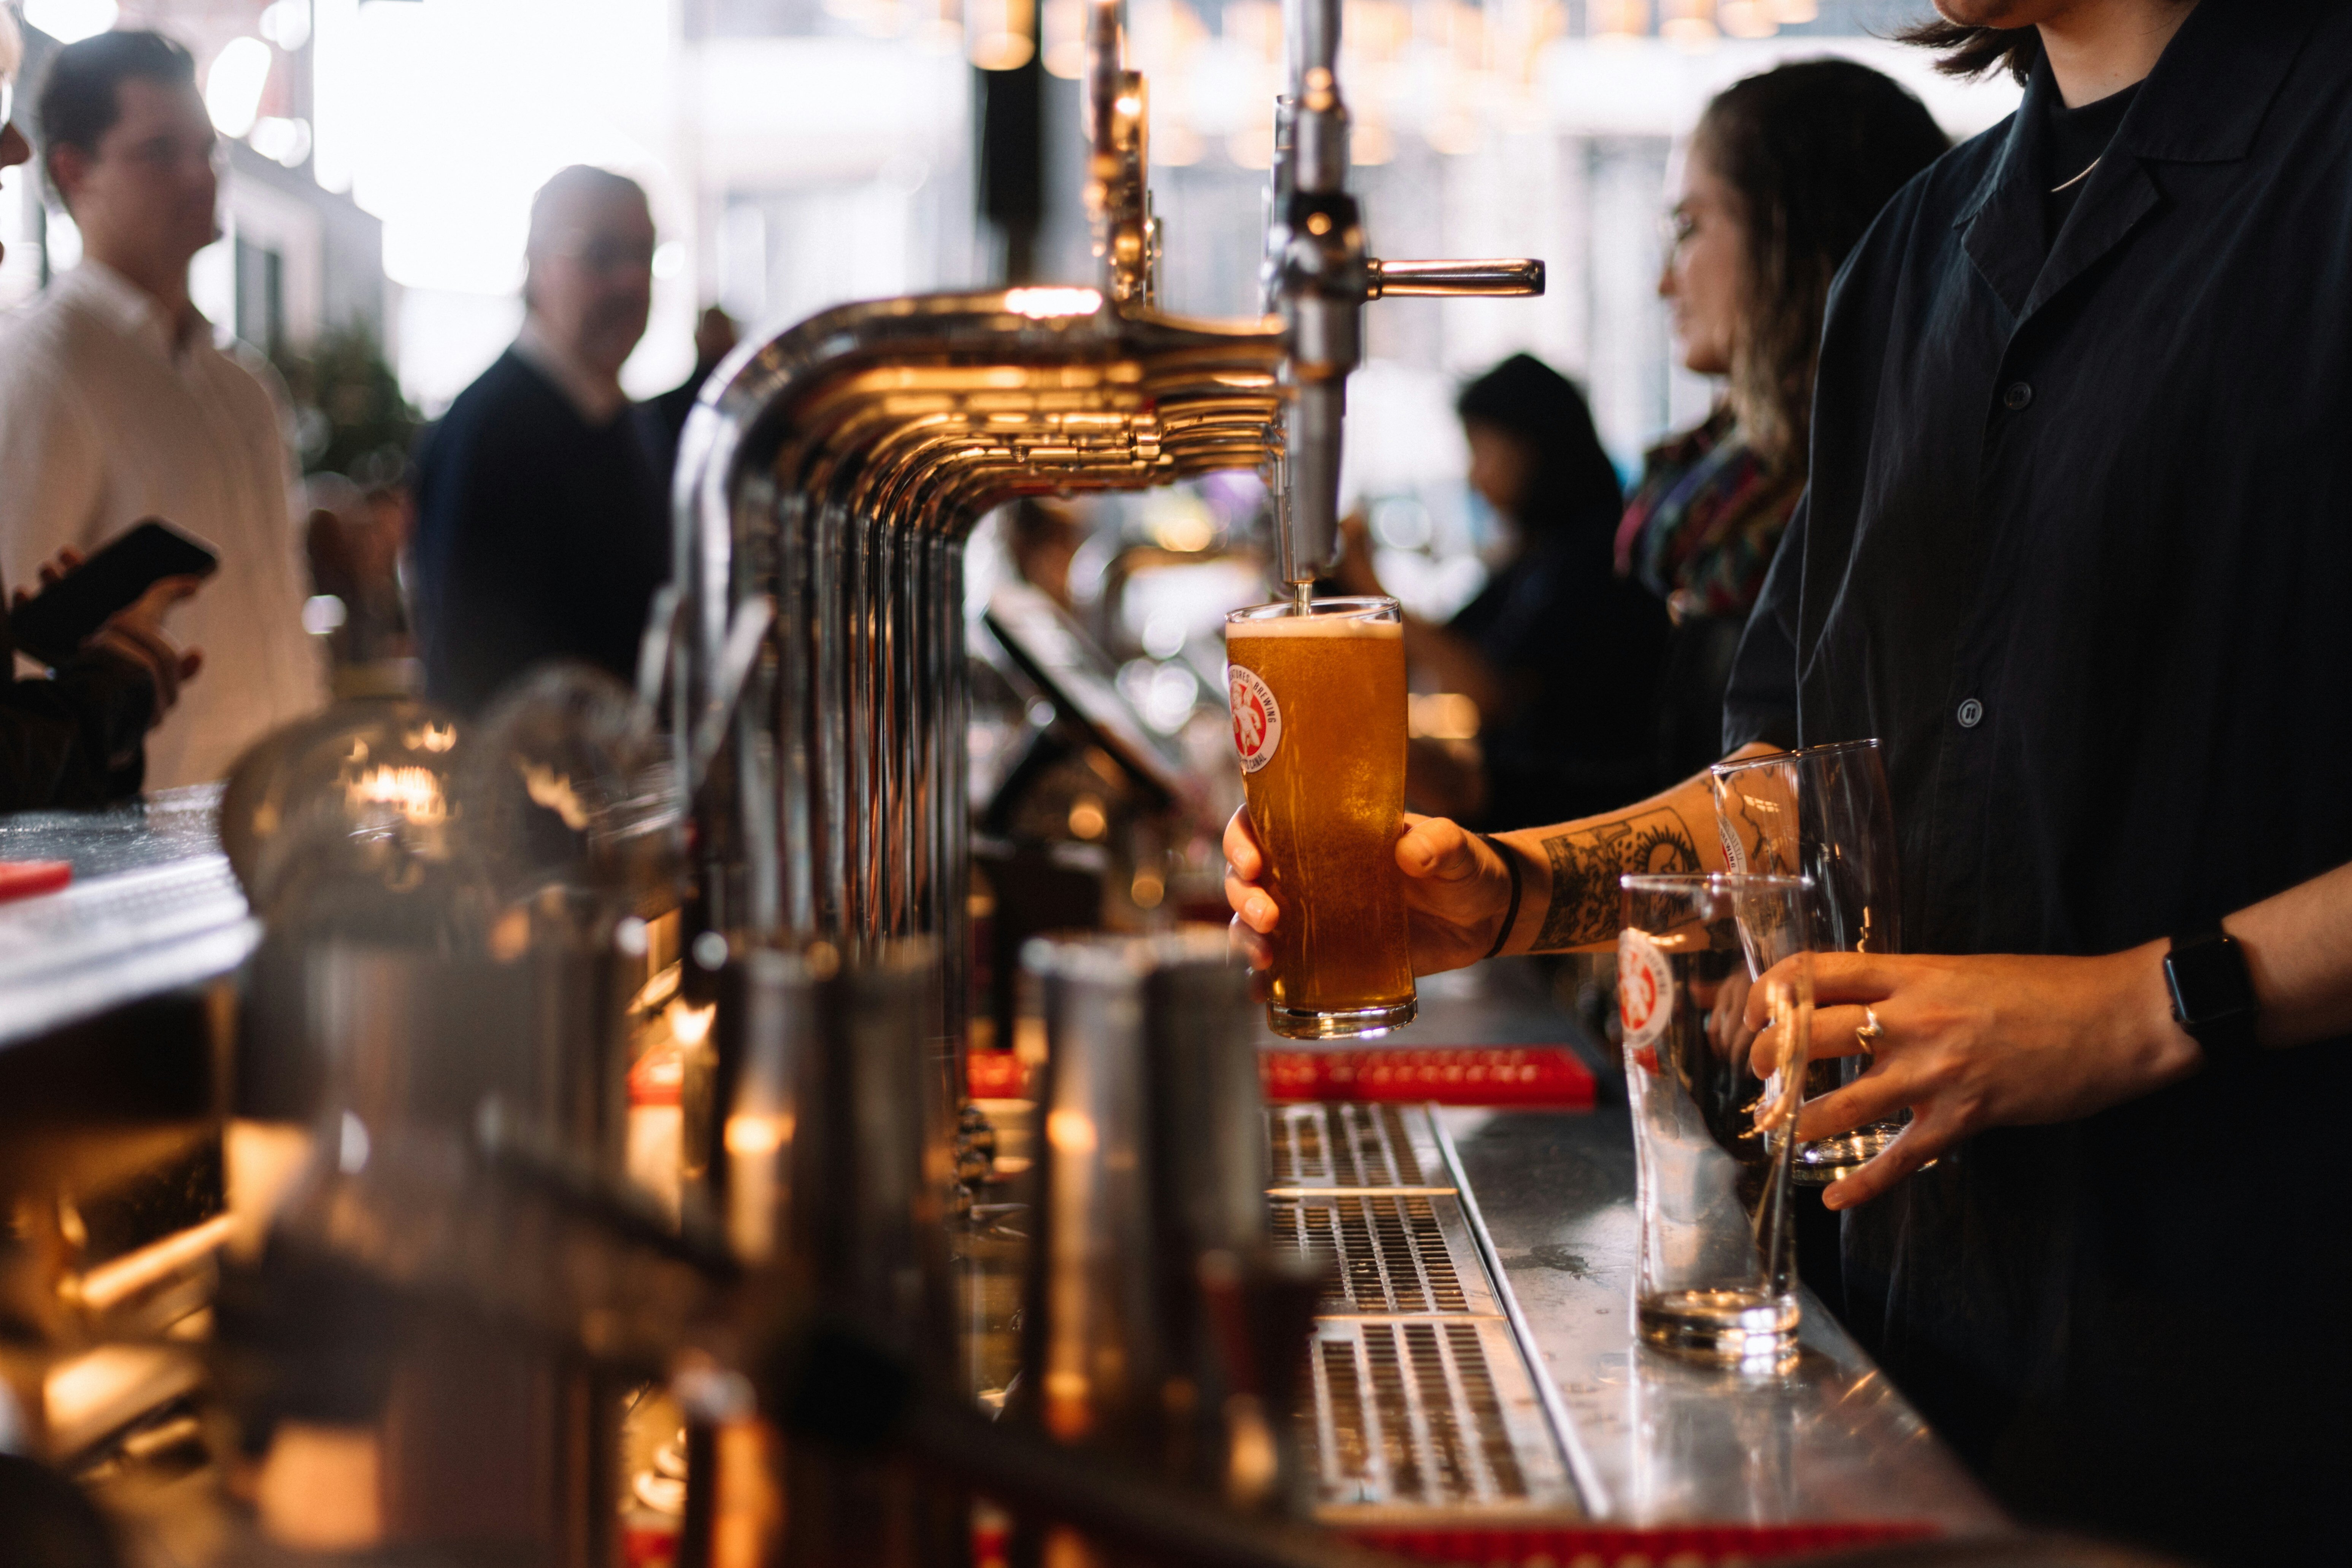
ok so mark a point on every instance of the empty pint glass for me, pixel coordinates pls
(1716, 1271)
(1823, 813)
(1319, 721)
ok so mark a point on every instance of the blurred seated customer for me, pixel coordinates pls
(1561, 655)
(1041, 537)
(541, 529)
(355, 541)
(714, 339)
(116, 405)
(77, 738)
(1784, 172)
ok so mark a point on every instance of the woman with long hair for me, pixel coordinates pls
(1783, 173)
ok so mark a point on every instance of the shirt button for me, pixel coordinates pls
(2018, 395)
(1971, 713)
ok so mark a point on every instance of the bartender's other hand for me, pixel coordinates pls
(1456, 893)
(66, 560)
(1997, 1040)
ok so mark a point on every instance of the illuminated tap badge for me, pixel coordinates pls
(1645, 994)
(1257, 718)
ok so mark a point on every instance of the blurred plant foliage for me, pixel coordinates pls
(348, 408)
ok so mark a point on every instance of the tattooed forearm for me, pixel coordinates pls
(1587, 862)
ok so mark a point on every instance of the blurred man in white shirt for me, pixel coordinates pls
(116, 406)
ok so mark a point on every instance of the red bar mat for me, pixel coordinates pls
(1551, 1078)
(23, 878)
(1683, 1546)
(994, 1074)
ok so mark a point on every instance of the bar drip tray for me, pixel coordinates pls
(1425, 1408)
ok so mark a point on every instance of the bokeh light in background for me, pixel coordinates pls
(802, 153)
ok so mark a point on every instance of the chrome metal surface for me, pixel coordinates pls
(1516, 278)
(1423, 1407)
(1318, 275)
(98, 944)
(1668, 1442)
(1152, 1271)
(1546, 1202)
(1349, 1148)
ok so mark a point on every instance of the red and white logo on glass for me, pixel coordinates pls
(1646, 995)
(1257, 718)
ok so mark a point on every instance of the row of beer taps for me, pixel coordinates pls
(443, 997)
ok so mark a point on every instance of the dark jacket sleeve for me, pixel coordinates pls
(1760, 704)
(486, 563)
(76, 739)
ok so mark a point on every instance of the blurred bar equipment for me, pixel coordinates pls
(450, 1292)
(1161, 1324)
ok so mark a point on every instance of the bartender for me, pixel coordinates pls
(2078, 548)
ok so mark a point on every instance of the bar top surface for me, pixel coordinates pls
(152, 907)
(1662, 1441)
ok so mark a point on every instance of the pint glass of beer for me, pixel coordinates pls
(1319, 721)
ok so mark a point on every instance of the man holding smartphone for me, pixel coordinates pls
(116, 406)
(74, 739)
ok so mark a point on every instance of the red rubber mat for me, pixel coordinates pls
(1682, 1546)
(23, 878)
(1549, 1078)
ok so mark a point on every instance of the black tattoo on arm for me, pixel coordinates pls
(1585, 865)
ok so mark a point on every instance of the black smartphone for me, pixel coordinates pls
(56, 621)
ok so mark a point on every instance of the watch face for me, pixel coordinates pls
(2208, 981)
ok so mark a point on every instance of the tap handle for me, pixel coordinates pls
(1515, 276)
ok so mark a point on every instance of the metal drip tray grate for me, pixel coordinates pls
(1348, 1148)
(1423, 1407)
(1412, 1417)
(1391, 1255)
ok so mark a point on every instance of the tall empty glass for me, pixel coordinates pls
(1319, 722)
(1716, 1276)
(1824, 813)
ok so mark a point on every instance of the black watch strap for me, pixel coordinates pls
(2212, 994)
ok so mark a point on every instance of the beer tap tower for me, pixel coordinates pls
(1319, 276)
(809, 659)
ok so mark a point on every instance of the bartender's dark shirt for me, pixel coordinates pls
(2078, 548)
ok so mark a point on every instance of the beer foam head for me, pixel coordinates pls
(1355, 625)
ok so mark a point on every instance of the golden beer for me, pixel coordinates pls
(1319, 706)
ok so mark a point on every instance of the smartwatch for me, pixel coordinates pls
(2212, 994)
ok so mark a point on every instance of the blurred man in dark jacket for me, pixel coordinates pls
(540, 533)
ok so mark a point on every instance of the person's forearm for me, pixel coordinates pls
(2299, 947)
(1569, 896)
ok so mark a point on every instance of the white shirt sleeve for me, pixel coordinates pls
(52, 469)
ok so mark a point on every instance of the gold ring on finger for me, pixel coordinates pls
(1869, 1031)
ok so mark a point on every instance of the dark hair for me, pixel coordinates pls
(78, 104)
(1573, 490)
(1811, 151)
(1972, 52)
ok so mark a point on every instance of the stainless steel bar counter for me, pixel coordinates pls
(1652, 1441)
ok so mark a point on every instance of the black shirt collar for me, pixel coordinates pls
(2201, 104)
(2204, 102)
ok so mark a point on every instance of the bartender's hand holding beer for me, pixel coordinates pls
(1455, 889)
